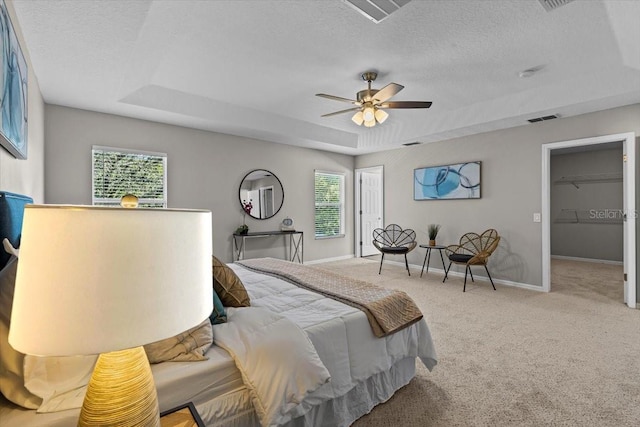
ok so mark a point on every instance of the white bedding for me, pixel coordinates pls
(180, 382)
(278, 362)
(365, 370)
(341, 334)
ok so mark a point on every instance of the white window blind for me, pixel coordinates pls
(329, 204)
(118, 171)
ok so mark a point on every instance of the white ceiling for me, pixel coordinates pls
(252, 67)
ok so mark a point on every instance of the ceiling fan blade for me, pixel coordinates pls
(387, 92)
(406, 104)
(338, 98)
(341, 112)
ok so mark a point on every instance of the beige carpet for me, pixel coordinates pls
(514, 357)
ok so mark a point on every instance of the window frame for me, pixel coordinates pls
(340, 204)
(116, 201)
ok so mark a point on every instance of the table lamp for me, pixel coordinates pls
(99, 280)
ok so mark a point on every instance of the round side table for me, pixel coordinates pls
(427, 256)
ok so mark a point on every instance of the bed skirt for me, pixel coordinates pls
(234, 409)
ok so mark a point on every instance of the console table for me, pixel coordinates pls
(296, 243)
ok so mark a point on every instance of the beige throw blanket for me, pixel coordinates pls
(388, 310)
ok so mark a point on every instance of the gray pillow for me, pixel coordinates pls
(11, 361)
(228, 285)
(188, 346)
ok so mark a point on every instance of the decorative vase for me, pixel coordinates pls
(432, 242)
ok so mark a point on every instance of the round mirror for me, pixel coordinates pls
(261, 194)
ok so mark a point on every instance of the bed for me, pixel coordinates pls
(365, 370)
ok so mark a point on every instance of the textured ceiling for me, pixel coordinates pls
(251, 68)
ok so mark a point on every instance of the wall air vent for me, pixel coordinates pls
(376, 10)
(409, 144)
(540, 119)
(550, 5)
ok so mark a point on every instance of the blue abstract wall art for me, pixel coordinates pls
(459, 181)
(13, 89)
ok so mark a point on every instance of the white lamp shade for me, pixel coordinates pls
(357, 118)
(381, 115)
(92, 280)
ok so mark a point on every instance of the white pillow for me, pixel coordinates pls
(47, 384)
(61, 382)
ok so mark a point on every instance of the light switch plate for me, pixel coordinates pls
(536, 217)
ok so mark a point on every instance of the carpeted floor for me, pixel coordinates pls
(514, 357)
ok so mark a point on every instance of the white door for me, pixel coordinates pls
(266, 202)
(371, 191)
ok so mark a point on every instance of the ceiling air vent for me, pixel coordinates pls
(409, 144)
(550, 5)
(376, 10)
(540, 119)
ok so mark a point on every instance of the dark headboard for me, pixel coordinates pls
(11, 212)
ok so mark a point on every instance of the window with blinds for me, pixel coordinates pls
(118, 171)
(329, 204)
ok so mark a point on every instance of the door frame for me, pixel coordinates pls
(629, 150)
(357, 205)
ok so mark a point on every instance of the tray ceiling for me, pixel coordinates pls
(251, 68)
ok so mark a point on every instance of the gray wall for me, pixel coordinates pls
(511, 186)
(590, 236)
(204, 171)
(26, 176)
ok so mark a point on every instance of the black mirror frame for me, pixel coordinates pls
(281, 188)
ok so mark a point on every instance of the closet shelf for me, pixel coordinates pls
(593, 216)
(590, 178)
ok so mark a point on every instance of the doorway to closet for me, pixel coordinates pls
(572, 221)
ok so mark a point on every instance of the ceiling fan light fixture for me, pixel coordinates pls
(368, 114)
(369, 103)
(381, 115)
(357, 118)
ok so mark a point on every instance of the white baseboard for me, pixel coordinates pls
(476, 277)
(338, 258)
(599, 261)
(417, 268)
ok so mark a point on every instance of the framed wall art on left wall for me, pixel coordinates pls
(13, 89)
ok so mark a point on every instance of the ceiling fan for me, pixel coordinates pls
(371, 103)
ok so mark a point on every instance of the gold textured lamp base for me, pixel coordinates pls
(121, 391)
